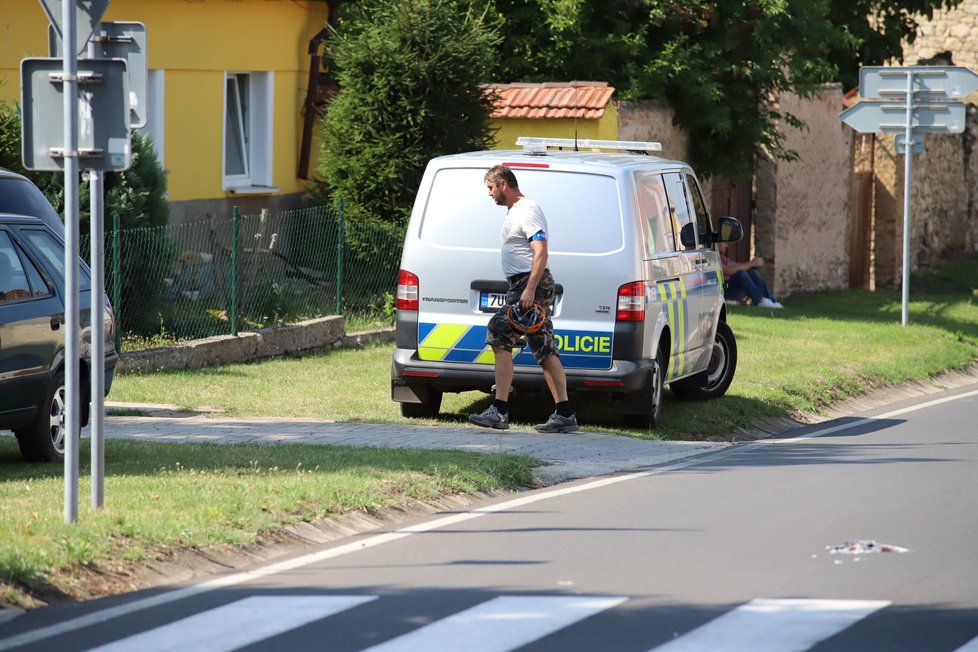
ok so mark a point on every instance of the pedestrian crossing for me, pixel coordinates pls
(503, 623)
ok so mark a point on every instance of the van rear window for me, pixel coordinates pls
(583, 210)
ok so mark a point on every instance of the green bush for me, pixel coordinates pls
(410, 74)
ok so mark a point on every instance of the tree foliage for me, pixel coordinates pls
(718, 63)
(410, 74)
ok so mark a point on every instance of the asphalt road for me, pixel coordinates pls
(770, 546)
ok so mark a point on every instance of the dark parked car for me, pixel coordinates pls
(32, 315)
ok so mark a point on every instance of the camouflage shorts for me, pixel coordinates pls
(501, 335)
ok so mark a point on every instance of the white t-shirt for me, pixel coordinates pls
(522, 222)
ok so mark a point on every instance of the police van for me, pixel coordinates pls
(639, 285)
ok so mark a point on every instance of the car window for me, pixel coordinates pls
(655, 212)
(699, 210)
(19, 279)
(54, 254)
(678, 207)
(583, 210)
(21, 197)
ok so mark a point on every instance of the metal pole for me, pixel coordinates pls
(235, 216)
(70, 425)
(96, 381)
(116, 282)
(97, 308)
(339, 260)
(907, 162)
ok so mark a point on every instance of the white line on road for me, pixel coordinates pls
(503, 623)
(237, 624)
(775, 626)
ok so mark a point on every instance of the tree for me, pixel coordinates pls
(410, 74)
(718, 63)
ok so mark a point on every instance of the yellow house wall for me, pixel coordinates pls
(605, 128)
(195, 43)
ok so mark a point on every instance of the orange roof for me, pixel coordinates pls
(577, 99)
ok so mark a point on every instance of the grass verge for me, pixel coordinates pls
(164, 497)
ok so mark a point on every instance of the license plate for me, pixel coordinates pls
(492, 301)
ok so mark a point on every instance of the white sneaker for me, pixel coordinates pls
(767, 303)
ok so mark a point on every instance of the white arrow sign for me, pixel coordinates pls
(930, 83)
(870, 116)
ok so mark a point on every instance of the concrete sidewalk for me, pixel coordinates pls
(567, 456)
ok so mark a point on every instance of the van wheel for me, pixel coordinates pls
(650, 399)
(713, 382)
(44, 439)
(427, 409)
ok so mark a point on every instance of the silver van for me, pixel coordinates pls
(640, 288)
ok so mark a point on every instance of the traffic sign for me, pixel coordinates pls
(118, 40)
(90, 12)
(871, 116)
(103, 91)
(929, 83)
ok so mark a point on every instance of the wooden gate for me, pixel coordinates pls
(729, 199)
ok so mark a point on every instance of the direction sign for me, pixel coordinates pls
(90, 13)
(118, 40)
(103, 91)
(871, 116)
(929, 83)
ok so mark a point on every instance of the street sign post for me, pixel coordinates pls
(911, 101)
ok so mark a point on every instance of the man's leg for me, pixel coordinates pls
(553, 371)
(503, 372)
(744, 280)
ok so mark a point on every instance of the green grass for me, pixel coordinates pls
(824, 347)
(163, 497)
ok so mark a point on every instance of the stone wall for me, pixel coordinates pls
(247, 346)
(802, 207)
(948, 30)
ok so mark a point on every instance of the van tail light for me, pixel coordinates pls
(631, 302)
(407, 290)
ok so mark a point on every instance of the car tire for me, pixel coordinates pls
(713, 382)
(427, 409)
(44, 439)
(651, 398)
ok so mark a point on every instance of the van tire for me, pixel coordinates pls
(44, 439)
(427, 409)
(651, 398)
(713, 382)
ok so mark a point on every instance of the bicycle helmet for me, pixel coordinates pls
(526, 321)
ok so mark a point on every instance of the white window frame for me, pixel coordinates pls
(155, 87)
(254, 122)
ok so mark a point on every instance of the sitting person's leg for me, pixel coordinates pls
(741, 283)
(758, 281)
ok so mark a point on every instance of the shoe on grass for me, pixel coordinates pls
(557, 423)
(767, 303)
(491, 418)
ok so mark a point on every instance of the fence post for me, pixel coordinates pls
(339, 260)
(234, 270)
(116, 282)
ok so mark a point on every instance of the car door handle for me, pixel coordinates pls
(55, 323)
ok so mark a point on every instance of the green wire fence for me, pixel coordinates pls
(245, 272)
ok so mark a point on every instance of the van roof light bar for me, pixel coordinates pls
(538, 146)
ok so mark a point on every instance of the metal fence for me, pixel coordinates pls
(245, 272)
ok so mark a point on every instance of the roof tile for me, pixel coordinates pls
(586, 100)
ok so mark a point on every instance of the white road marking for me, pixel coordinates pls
(503, 623)
(237, 624)
(774, 626)
(233, 579)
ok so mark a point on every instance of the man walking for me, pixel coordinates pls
(524, 259)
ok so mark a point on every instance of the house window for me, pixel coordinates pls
(248, 100)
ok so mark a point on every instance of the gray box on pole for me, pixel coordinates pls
(103, 91)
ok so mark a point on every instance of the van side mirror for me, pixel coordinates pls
(730, 230)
